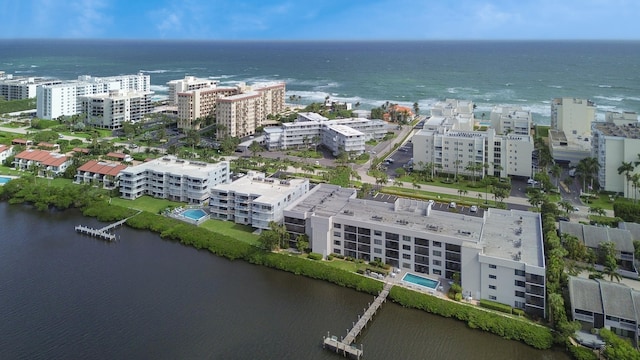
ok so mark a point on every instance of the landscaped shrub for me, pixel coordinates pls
(495, 306)
(580, 352)
(518, 312)
(618, 348)
(315, 256)
(627, 211)
(531, 334)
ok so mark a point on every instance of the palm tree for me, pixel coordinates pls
(566, 206)
(586, 170)
(597, 210)
(416, 108)
(556, 170)
(635, 183)
(626, 168)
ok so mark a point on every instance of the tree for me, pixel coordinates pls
(416, 108)
(255, 148)
(576, 250)
(566, 206)
(626, 168)
(536, 198)
(586, 171)
(607, 257)
(597, 210)
(556, 171)
(302, 242)
(269, 240)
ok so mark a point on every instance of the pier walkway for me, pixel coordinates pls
(103, 233)
(343, 346)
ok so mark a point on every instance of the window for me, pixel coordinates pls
(406, 238)
(406, 247)
(337, 251)
(377, 232)
(491, 297)
(337, 226)
(437, 244)
(377, 251)
(336, 242)
(492, 287)
(491, 266)
(377, 241)
(520, 272)
(437, 253)
(337, 234)
(520, 294)
(519, 283)
(406, 256)
(437, 272)
(491, 276)
(406, 265)
(437, 262)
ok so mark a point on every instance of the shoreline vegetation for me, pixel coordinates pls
(94, 203)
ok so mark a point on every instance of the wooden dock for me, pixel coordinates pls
(99, 233)
(103, 233)
(344, 345)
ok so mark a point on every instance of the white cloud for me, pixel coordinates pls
(90, 18)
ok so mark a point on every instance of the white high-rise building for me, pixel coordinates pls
(17, 88)
(615, 141)
(111, 110)
(63, 99)
(573, 116)
(511, 120)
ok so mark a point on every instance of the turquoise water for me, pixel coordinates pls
(525, 73)
(4, 179)
(422, 281)
(194, 214)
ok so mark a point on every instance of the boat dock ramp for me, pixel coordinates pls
(344, 345)
(103, 233)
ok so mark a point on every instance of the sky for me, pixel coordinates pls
(321, 19)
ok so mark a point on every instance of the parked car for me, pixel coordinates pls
(453, 205)
(473, 208)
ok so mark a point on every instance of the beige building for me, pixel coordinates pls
(187, 84)
(615, 141)
(511, 120)
(197, 104)
(239, 115)
(570, 133)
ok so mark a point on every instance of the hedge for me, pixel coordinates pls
(531, 334)
(495, 306)
(580, 352)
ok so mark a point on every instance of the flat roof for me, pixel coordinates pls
(631, 131)
(515, 235)
(345, 130)
(267, 189)
(323, 200)
(237, 97)
(173, 165)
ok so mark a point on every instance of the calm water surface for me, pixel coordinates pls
(67, 296)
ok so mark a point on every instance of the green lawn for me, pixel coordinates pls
(428, 195)
(145, 203)
(240, 232)
(17, 105)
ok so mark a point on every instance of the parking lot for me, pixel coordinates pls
(399, 159)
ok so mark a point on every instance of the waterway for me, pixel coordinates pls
(69, 296)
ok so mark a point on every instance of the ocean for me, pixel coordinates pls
(524, 73)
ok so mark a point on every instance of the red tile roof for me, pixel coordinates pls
(20, 141)
(44, 157)
(102, 168)
(3, 148)
(82, 150)
(117, 155)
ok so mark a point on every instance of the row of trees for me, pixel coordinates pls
(632, 179)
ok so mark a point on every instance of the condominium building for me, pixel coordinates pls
(44, 162)
(239, 115)
(615, 141)
(254, 199)
(17, 88)
(63, 99)
(570, 131)
(498, 254)
(194, 105)
(348, 134)
(593, 236)
(5, 152)
(511, 120)
(99, 172)
(111, 110)
(342, 138)
(467, 152)
(174, 179)
(598, 304)
(187, 84)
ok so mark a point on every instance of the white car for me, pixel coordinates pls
(473, 208)
(453, 205)
(575, 208)
(532, 182)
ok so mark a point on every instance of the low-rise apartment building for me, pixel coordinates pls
(254, 199)
(498, 255)
(174, 179)
(598, 304)
(5, 152)
(96, 172)
(44, 162)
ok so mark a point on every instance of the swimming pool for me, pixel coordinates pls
(194, 214)
(4, 180)
(421, 281)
